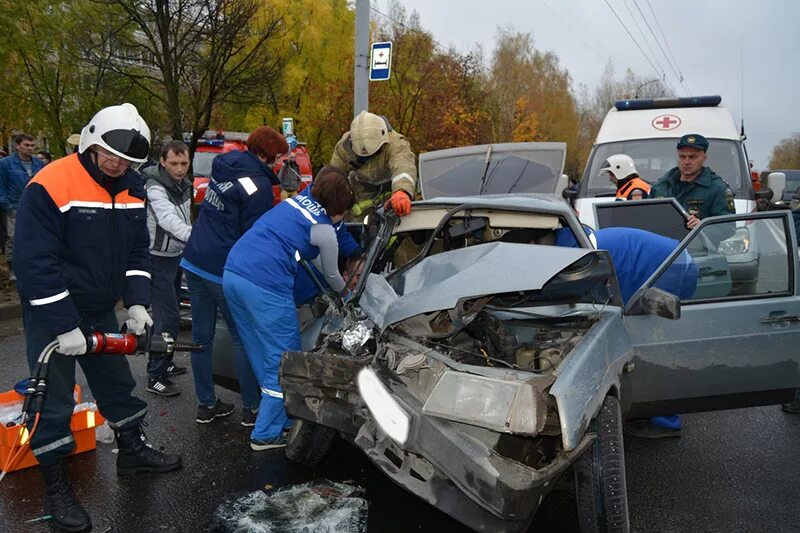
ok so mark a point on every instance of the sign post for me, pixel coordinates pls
(381, 61)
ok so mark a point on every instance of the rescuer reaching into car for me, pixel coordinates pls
(82, 244)
(380, 164)
(259, 280)
(622, 172)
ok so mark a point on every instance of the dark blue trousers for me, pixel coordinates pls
(109, 378)
(165, 286)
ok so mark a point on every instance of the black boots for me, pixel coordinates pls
(135, 455)
(60, 502)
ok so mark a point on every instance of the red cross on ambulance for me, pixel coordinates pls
(666, 122)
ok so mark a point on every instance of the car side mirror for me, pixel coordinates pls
(657, 302)
(777, 182)
(765, 194)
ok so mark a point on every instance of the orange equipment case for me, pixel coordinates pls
(82, 425)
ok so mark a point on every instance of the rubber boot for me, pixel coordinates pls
(135, 455)
(60, 502)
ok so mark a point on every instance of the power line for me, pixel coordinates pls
(409, 28)
(578, 33)
(669, 49)
(678, 76)
(639, 47)
(644, 39)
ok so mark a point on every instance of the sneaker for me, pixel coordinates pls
(647, 430)
(175, 370)
(249, 417)
(792, 407)
(268, 444)
(162, 387)
(207, 413)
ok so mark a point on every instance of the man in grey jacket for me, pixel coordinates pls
(169, 197)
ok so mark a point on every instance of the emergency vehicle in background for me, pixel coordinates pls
(648, 130)
(213, 143)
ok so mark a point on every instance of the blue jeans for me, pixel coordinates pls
(206, 297)
(165, 285)
(109, 378)
(268, 325)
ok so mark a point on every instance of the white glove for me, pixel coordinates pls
(72, 342)
(138, 318)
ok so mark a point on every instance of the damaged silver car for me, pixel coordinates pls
(476, 369)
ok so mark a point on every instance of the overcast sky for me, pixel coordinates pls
(726, 47)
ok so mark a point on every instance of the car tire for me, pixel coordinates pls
(600, 488)
(309, 443)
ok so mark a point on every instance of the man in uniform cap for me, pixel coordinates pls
(696, 187)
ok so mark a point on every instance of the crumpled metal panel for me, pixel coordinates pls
(440, 281)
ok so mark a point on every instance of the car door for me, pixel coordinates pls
(736, 341)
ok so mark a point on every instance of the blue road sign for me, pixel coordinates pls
(381, 63)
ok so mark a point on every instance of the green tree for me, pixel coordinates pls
(434, 96)
(46, 87)
(191, 56)
(531, 96)
(786, 154)
(316, 87)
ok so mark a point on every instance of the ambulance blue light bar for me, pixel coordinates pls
(659, 103)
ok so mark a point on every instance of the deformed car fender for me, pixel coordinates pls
(593, 369)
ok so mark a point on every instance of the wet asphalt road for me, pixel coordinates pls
(731, 471)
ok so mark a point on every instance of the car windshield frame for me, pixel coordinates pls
(654, 157)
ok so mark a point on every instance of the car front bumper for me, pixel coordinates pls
(441, 461)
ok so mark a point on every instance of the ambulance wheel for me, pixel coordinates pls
(600, 488)
(309, 443)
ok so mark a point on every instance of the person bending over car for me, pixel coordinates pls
(259, 282)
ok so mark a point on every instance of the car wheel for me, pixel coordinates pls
(600, 487)
(309, 443)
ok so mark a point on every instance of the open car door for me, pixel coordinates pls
(735, 342)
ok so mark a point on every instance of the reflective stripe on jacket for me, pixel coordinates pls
(81, 242)
(267, 255)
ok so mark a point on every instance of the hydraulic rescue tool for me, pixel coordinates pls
(97, 343)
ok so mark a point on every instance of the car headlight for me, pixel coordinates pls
(391, 418)
(738, 244)
(500, 405)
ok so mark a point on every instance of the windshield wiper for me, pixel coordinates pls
(485, 170)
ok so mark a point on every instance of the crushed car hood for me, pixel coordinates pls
(527, 167)
(439, 282)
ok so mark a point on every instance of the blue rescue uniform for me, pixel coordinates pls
(636, 255)
(259, 280)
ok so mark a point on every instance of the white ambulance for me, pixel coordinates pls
(648, 131)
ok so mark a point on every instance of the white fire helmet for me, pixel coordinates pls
(120, 130)
(620, 166)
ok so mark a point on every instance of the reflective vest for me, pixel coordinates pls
(635, 184)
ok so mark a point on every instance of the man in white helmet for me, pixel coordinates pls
(82, 245)
(622, 172)
(380, 164)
